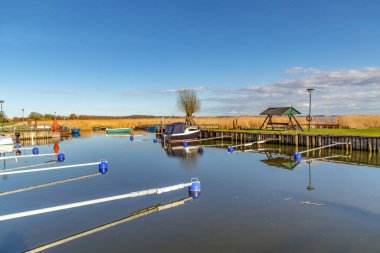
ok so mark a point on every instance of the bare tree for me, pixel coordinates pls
(189, 103)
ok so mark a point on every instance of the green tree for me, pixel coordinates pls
(73, 116)
(49, 116)
(35, 115)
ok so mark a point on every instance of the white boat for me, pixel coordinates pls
(6, 149)
(6, 139)
(178, 132)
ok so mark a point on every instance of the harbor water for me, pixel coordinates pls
(253, 201)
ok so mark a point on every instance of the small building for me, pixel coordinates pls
(281, 111)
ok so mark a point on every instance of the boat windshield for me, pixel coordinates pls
(169, 129)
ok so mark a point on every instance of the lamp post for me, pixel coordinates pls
(310, 187)
(309, 118)
(2, 113)
(22, 115)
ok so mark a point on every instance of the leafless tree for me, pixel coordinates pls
(189, 103)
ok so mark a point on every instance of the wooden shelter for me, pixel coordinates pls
(281, 111)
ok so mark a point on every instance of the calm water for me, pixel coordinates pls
(249, 202)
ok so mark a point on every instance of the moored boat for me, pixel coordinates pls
(153, 128)
(179, 131)
(6, 139)
(118, 130)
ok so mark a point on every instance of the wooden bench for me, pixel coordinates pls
(284, 125)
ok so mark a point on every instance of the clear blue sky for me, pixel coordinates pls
(130, 57)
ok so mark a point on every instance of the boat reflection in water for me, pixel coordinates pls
(189, 155)
(132, 216)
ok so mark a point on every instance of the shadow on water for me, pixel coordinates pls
(11, 242)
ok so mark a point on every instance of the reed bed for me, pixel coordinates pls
(359, 121)
(345, 121)
(220, 122)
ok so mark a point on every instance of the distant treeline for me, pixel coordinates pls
(40, 116)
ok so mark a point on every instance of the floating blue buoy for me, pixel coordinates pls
(103, 167)
(131, 138)
(155, 140)
(18, 145)
(185, 144)
(75, 131)
(194, 195)
(230, 149)
(297, 157)
(61, 157)
(195, 188)
(35, 151)
(76, 135)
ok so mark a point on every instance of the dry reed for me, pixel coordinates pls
(359, 121)
(346, 121)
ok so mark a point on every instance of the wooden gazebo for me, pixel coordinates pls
(281, 111)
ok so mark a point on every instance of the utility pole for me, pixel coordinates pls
(2, 113)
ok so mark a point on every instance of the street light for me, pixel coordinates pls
(310, 187)
(22, 116)
(2, 113)
(309, 118)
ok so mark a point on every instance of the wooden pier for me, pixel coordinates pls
(365, 143)
(34, 134)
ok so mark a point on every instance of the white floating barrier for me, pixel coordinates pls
(298, 155)
(327, 146)
(255, 142)
(326, 157)
(49, 168)
(207, 139)
(94, 201)
(24, 156)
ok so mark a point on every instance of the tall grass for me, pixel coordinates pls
(359, 121)
(345, 121)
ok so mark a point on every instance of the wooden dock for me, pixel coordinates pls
(365, 143)
(33, 134)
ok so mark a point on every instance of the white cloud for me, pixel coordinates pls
(336, 91)
(172, 91)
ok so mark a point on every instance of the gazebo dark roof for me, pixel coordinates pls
(280, 111)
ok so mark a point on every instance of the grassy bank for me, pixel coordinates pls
(363, 125)
(341, 132)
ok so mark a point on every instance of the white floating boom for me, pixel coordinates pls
(327, 146)
(213, 138)
(255, 142)
(23, 156)
(94, 201)
(48, 168)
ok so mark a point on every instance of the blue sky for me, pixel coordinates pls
(131, 57)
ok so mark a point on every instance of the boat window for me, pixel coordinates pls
(169, 129)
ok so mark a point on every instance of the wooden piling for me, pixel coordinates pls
(366, 143)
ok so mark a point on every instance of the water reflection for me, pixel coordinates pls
(336, 155)
(189, 155)
(134, 215)
(283, 162)
(310, 187)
